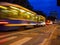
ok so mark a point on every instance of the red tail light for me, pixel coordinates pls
(3, 22)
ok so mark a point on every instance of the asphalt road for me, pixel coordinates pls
(57, 40)
(36, 36)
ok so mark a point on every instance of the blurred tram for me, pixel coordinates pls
(41, 20)
(13, 16)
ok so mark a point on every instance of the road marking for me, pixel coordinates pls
(22, 41)
(44, 42)
(15, 33)
(52, 33)
(7, 39)
(2, 36)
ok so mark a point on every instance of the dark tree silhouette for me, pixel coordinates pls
(24, 3)
(40, 13)
(53, 15)
(51, 18)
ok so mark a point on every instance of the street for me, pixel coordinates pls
(35, 36)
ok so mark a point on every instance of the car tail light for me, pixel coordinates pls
(3, 22)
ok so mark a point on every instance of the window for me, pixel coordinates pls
(3, 7)
(14, 12)
(3, 12)
(21, 10)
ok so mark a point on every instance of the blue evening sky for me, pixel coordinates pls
(46, 6)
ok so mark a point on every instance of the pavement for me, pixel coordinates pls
(35, 36)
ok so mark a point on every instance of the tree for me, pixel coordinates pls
(53, 15)
(51, 18)
(40, 13)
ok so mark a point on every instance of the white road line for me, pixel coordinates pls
(22, 41)
(7, 39)
(2, 36)
(44, 42)
(5, 35)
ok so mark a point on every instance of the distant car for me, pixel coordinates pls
(3, 22)
(49, 22)
(42, 24)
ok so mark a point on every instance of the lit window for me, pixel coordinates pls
(28, 16)
(14, 8)
(22, 10)
(3, 7)
(36, 17)
(6, 11)
(28, 13)
(32, 14)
